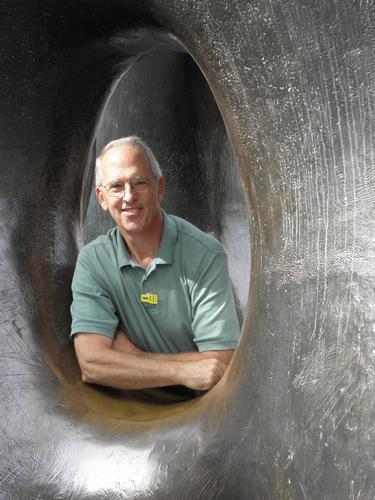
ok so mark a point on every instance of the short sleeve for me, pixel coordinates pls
(92, 309)
(215, 321)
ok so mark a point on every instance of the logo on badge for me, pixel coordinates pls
(149, 298)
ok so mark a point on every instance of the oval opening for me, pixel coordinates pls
(164, 98)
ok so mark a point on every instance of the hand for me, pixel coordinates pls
(202, 375)
(121, 343)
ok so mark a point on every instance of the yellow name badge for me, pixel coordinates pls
(149, 298)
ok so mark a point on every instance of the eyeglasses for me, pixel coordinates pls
(137, 184)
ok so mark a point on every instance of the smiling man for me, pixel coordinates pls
(152, 300)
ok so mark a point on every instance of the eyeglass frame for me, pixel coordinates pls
(130, 182)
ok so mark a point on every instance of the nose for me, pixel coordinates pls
(129, 192)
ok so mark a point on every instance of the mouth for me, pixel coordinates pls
(131, 210)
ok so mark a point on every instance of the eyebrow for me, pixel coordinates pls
(116, 179)
(121, 179)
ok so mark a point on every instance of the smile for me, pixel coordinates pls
(131, 210)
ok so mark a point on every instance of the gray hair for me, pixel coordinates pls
(132, 140)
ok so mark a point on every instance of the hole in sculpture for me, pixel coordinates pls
(164, 99)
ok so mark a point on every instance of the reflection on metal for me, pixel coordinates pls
(294, 81)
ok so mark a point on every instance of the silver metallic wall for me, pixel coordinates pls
(294, 81)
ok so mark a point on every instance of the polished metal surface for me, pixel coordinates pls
(294, 82)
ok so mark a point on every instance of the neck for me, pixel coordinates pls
(144, 247)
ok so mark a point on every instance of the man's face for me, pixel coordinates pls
(135, 212)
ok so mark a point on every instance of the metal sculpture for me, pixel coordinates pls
(294, 83)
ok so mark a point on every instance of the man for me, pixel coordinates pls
(152, 301)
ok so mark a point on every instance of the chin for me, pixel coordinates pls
(132, 228)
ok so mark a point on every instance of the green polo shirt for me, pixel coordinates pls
(182, 302)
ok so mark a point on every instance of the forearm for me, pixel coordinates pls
(101, 364)
(127, 371)
(224, 356)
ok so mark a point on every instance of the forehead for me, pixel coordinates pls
(125, 161)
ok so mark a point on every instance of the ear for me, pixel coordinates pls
(101, 197)
(161, 189)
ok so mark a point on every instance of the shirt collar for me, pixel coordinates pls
(123, 257)
(167, 245)
(168, 241)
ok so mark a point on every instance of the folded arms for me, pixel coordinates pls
(119, 363)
